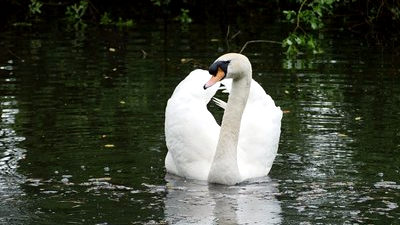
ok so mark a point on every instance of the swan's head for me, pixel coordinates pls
(230, 65)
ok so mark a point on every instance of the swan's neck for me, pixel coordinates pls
(224, 168)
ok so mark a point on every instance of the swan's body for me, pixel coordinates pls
(245, 145)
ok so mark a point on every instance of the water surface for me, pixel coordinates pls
(82, 140)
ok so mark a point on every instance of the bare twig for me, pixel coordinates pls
(226, 37)
(236, 34)
(15, 55)
(379, 10)
(94, 7)
(227, 32)
(259, 41)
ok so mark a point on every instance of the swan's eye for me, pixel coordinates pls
(218, 64)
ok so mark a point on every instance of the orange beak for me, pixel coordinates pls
(215, 78)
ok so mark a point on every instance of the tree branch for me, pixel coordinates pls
(298, 17)
(259, 41)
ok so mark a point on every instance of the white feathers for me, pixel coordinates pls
(192, 133)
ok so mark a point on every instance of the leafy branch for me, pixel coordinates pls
(307, 17)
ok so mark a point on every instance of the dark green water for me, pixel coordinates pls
(82, 142)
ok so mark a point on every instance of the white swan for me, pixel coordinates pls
(245, 145)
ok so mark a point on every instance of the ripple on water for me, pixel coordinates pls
(11, 196)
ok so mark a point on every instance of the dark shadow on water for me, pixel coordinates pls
(196, 202)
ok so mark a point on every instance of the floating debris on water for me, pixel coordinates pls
(154, 188)
(387, 184)
(65, 180)
(96, 184)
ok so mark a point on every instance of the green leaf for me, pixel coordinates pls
(290, 15)
(299, 40)
(314, 25)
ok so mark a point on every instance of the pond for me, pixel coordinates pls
(82, 140)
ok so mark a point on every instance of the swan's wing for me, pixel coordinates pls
(259, 133)
(259, 139)
(191, 131)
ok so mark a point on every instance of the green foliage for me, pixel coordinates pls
(184, 18)
(308, 17)
(291, 15)
(75, 14)
(124, 23)
(106, 20)
(160, 2)
(77, 11)
(395, 12)
(298, 43)
(34, 7)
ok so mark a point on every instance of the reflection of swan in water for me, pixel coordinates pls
(196, 202)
